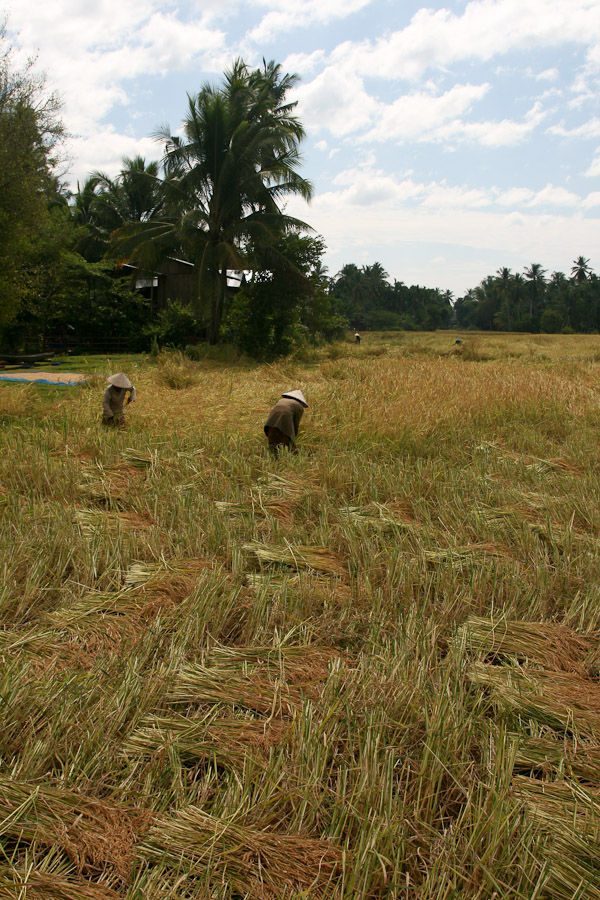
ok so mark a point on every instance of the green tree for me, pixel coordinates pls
(225, 181)
(581, 269)
(30, 134)
(287, 303)
(535, 277)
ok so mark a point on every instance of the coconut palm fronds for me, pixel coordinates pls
(93, 834)
(201, 685)
(299, 557)
(256, 861)
(553, 646)
(559, 700)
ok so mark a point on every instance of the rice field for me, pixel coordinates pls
(370, 670)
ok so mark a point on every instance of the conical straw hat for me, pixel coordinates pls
(121, 381)
(296, 395)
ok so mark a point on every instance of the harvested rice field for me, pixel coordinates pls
(369, 670)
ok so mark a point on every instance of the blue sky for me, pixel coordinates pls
(443, 141)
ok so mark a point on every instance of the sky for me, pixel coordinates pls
(443, 141)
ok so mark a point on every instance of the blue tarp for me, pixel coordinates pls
(67, 379)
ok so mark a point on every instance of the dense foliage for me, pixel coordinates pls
(29, 133)
(367, 298)
(534, 302)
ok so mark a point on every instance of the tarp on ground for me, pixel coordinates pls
(64, 378)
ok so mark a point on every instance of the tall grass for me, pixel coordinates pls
(365, 671)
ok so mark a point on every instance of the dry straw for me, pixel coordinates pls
(553, 757)
(256, 862)
(229, 742)
(96, 836)
(94, 521)
(298, 556)
(551, 645)
(35, 885)
(200, 685)
(560, 700)
(380, 517)
(535, 463)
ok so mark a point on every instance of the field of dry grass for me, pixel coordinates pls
(370, 670)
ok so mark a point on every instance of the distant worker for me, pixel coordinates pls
(114, 398)
(357, 338)
(283, 421)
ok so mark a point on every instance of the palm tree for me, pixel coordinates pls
(536, 278)
(505, 281)
(225, 180)
(581, 269)
(103, 204)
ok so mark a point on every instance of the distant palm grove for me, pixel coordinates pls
(197, 247)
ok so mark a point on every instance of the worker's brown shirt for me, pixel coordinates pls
(286, 415)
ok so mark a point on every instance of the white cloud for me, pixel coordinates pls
(419, 115)
(90, 51)
(516, 197)
(593, 171)
(592, 200)
(289, 15)
(506, 133)
(441, 196)
(110, 147)
(588, 129)
(335, 100)
(487, 28)
(548, 75)
(304, 63)
(554, 196)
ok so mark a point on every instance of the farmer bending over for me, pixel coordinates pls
(283, 421)
(114, 398)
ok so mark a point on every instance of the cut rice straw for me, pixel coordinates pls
(201, 685)
(92, 833)
(553, 646)
(297, 557)
(560, 700)
(557, 464)
(254, 861)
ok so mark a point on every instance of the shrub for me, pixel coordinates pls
(176, 370)
(175, 326)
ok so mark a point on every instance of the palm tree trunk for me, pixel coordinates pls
(217, 306)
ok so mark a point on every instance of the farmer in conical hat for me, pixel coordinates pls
(283, 421)
(114, 398)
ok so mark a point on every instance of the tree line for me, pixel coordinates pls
(534, 301)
